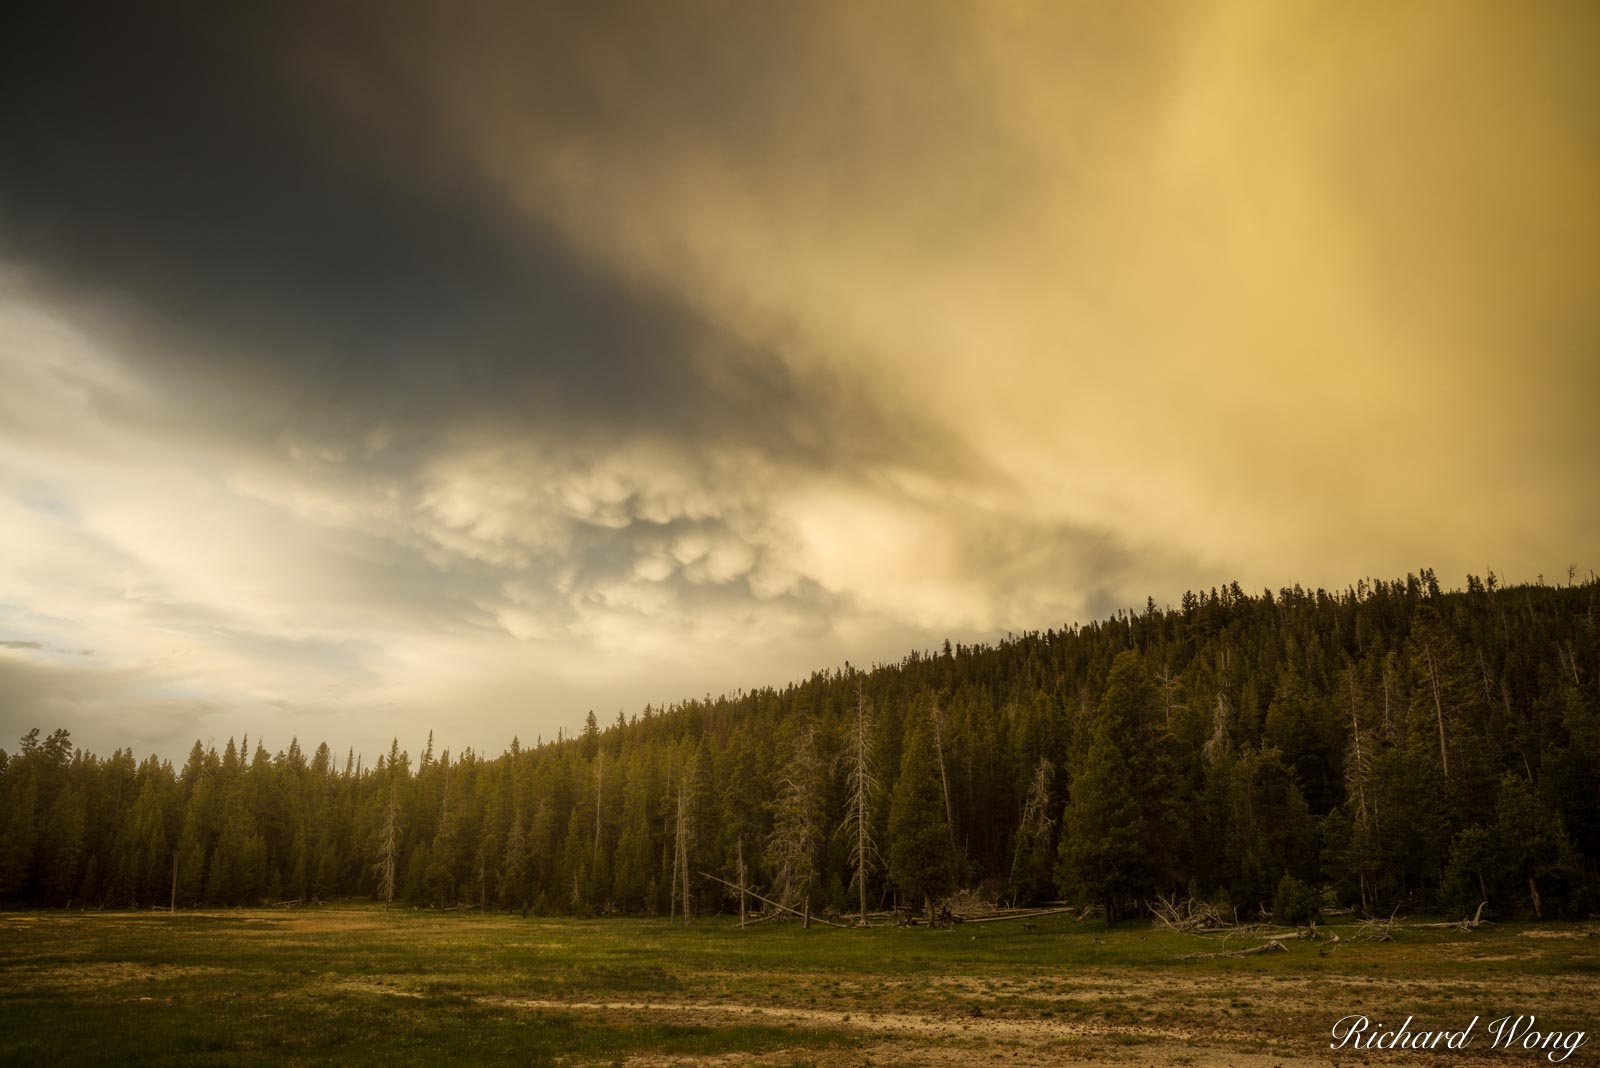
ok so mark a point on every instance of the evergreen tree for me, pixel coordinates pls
(919, 851)
(1529, 842)
(1101, 855)
(19, 834)
(1294, 733)
(61, 847)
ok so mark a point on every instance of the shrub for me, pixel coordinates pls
(1295, 902)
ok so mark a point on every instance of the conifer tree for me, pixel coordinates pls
(1100, 857)
(389, 847)
(1282, 722)
(919, 851)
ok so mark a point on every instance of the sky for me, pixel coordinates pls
(371, 369)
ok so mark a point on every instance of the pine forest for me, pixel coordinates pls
(1392, 744)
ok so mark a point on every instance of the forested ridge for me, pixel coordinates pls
(1393, 743)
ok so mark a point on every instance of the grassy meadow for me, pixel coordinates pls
(356, 985)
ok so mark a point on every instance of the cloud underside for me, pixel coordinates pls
(371, 369)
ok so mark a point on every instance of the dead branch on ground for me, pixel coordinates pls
(1186, 915)
(775, 904)
(1273, 946)
(1462, 924)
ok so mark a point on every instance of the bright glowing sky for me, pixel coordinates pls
(374, 368)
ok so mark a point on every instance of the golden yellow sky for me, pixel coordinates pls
(373, 371)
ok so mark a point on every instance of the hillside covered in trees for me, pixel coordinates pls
(1394, 743)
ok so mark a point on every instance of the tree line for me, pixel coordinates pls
(1390, 744)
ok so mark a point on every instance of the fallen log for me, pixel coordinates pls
(775, 904)
(763, 918)
(1462, 924)
(1273, 946)
(1018, 916)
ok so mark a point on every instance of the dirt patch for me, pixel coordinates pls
(921, 1039)
(94, 976)
(359, 986)
(1569, 934)
(924, 1024)
(1084, 1055)
(317, 923)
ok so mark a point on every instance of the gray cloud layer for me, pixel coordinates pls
(372, 367)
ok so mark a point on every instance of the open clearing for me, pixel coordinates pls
(352, 984)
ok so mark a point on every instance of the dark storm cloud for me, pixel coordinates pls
(273, 260)
(507, 359)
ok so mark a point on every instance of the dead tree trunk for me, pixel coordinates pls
(1388, 730)
(862, 778)
(681, 845)
(1360, 764)
(792, 845)
(599, 782)
(767, 900)
(1438, 706)
(1036, 821)
(1169, 683)
(944, 783)
(741, 885)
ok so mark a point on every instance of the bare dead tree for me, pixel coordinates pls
(862, 786)
(1388, 663)
(792, 846)
(1358, 770)
(1169, 686)
(1218, 742)
(944, 783)
(743, 893)
(1360, 750)
(1036, 821)
(444, 800)
(599, 784)
(681, 841)
(1438, 704)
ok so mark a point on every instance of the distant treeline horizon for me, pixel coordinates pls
(1390, 745)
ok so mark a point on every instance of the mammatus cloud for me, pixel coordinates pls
(368, 372)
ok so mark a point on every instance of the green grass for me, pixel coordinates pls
(353, 984)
